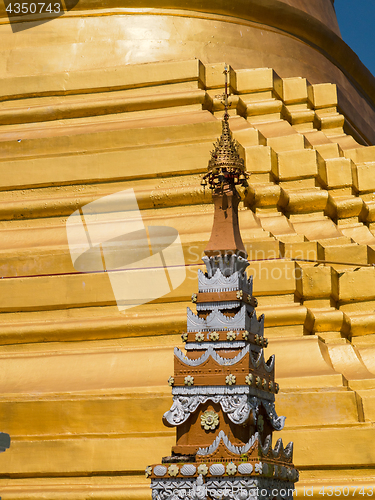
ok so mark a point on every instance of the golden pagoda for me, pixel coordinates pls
(112, 97)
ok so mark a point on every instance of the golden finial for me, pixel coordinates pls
(225, 166)
(226, 116)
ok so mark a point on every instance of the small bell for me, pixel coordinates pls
(204, 182)
(242, 178)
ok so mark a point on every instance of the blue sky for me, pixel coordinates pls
(357, 24)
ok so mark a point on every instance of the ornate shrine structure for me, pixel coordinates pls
(223, 388)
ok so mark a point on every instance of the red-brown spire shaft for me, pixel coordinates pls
(225, 236)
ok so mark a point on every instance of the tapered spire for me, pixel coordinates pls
(226, 170)
(223, 388)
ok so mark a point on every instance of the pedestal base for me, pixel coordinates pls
(222, 488)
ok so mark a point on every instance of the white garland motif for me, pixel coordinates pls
(237, 407)
(214, 355)
(238, 450)
(211, 351)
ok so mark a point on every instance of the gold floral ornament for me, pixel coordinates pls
(173, 470)
(209, 420)
(245, 335)
(189, 380)
(202, 469)
(230, 379)
(214, 336)
(249, 379)
(199, 337)
(260, 423)
(231, 469)
(148, 471)
(184, 337)
(264, 384)
(277, 387)
(194, 297)
(231, 335)
(239, 294)
(270, 386)
(258, 381)
(171, 381)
